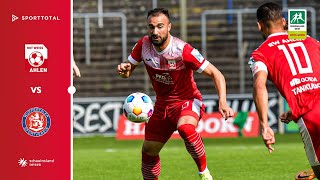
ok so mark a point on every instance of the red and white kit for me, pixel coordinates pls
(294, 68)
(171, 74)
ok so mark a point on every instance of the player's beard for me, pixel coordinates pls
(159, 42)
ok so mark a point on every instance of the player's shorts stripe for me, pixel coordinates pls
(133, 61)
(308, 145)
(196, 105)
(203, 66)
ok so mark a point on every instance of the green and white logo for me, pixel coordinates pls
(297, 23)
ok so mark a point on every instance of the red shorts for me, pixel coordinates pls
(165, 118)
(309, 126)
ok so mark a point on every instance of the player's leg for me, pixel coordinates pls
(192, 140)
(157, 133)
(151, 166)
(191, 112)
(194, 144)
(309, 126)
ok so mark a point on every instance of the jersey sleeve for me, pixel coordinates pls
(257, 63)
(135, 56)
(193, 59)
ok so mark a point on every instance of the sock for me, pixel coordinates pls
(150, 167)
(204, 171)
(194, 145)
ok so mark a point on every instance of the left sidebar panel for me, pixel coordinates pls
(35, 73)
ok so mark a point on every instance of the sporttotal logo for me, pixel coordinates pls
(36, 18)
(36, 54)
(36, 122)
(14, 17)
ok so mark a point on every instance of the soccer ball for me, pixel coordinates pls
(138, 107)
(36, 59)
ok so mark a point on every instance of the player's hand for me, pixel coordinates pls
(268, 138)
(286, 117)
(226, 111)
(123, 69)
(76, 71)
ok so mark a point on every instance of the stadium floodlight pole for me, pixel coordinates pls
(285, 6)
(87, 38)
(240, 52)
(154, 4)
(183, 19)
(100, 12)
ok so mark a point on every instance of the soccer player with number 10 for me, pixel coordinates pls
(294, 67)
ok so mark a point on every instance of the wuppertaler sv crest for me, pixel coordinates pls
(36, 122)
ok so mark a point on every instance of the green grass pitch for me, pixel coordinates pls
(104, 158)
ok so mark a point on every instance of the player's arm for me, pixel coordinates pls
(125, 69)
(75, 69)
(260, 97)
(286, 117)
(220, 85)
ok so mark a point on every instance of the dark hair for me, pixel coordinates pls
(269, 12)
(157, 11)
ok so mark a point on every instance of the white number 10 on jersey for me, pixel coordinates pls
(302, 70)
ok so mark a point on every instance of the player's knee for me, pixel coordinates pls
(186, 130)
(152, 148)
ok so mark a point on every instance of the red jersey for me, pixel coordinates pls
(171, 70)
(294, 67)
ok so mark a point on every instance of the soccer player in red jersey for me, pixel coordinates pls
(294, 67)
(170, 63)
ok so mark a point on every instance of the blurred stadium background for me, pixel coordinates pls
(99, 78)
(225, 31)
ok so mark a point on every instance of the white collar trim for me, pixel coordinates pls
(278, 34)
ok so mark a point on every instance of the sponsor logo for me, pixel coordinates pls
(294, 81)
(297, 23)
(36, 122)
(14, 17)
(185, 105)
(310, 83)
(210, 126)
(297, 16)
(163, 78)
(36, 54)
(93, 116)
(197, 55)
(305, 87)
(22, 162)
(149, 60)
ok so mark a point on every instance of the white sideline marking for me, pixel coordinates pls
(111, 150)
